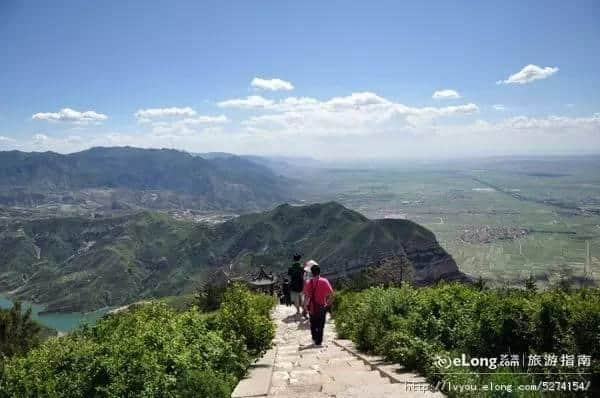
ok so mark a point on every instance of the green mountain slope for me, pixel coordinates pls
(78, 263)
(231, 183)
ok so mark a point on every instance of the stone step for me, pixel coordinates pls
(345, 366)
(295, 390)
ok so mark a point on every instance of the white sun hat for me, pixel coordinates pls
(309, 264)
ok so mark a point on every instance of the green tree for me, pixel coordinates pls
(245, 316)
(18, 332)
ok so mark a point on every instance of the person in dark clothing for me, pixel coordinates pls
(296, 273)
(318, 294)
(287, 300)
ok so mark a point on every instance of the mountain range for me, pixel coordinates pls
(132, 178)
(85, 263)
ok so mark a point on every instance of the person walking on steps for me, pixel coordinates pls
(296, 273)
(318, 294)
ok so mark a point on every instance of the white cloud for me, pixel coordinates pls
(69, 115)
(362, 113)
(199, 120)
(367, 132)
(145, 115)
(431, 112)
(294, 103)
(271, 84)
(356, 100)
(253, 101)
(177, 121)
(445, 94)
(553, 123)
(206, 119)
(189, 126)
(360, 124)
(528, 74)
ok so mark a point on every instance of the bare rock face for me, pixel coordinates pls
(432, 263)
(419, 261)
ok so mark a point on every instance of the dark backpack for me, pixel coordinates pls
(296, 273)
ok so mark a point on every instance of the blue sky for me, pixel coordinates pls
(363, 74)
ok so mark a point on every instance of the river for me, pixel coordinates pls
(63, 322)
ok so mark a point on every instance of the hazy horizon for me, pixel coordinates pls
(381, 159)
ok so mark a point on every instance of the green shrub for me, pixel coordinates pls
(413, 326)
(552, 322)
(203, 383)
(345, 307)
(413, 352)
(150, 351)
(501, 324)
(246, 316)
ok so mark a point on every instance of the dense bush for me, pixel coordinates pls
(413, 326)
(246, 317)
(151, 351)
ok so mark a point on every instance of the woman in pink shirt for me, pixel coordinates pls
(318, 294)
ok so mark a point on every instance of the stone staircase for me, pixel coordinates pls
(296, 368)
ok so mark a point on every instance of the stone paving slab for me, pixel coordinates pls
(297, 390)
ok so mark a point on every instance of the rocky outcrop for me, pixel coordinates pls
(343, 241)
(432, 263)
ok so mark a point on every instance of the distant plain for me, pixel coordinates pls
(555, 201)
